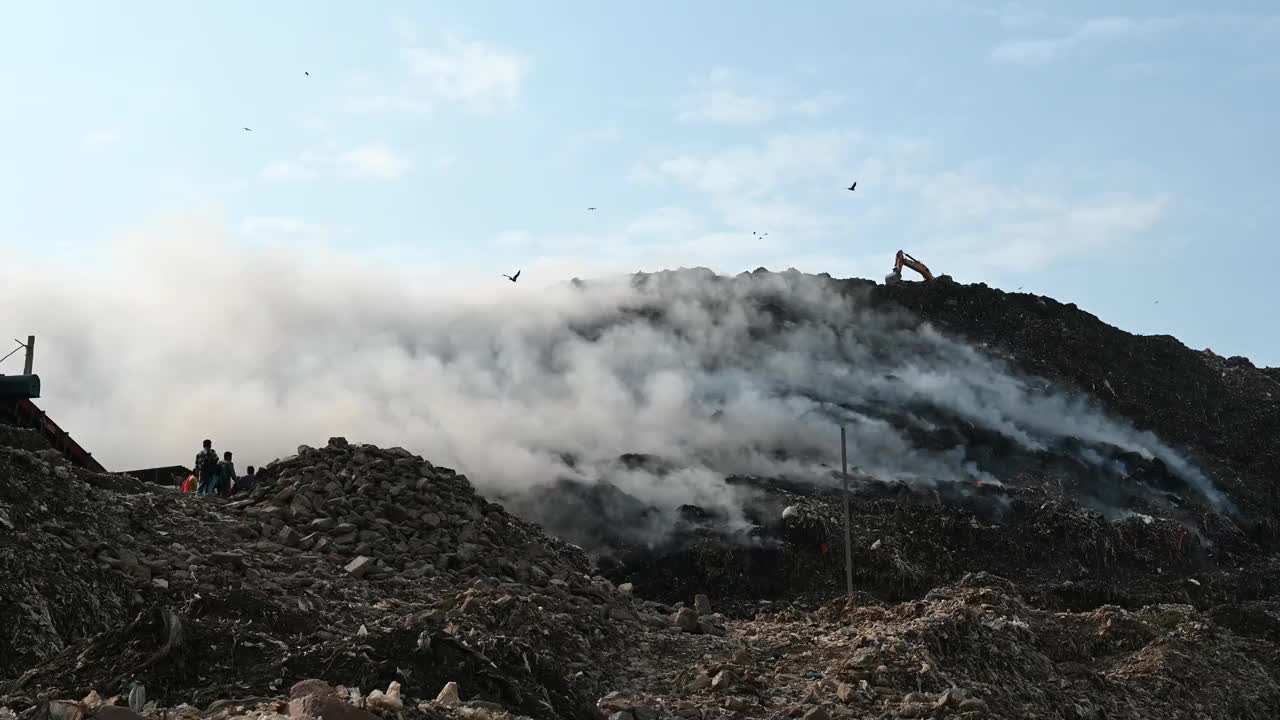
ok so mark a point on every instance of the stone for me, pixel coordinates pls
(312, 686)
(723, 680)
(227, 558)
(160, 583)
(864, 656)
(915, 710)
(360, 566)
(388, 702)
(817, 712)
(846, 693)
(702, 604)
(312, 707)
(449, 694)
(338, 442)
(288, 537)
(973, 705)
(626, 588)
(622, 715)
(686, 620)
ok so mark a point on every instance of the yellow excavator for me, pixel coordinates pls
(904, 259)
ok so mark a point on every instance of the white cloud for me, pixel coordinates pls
(1046, 49)
(468, 74)
(281, 227)
(101, 137)
(287, 171)
(750, 171)
(818, 105)
(376, 161)
(983, 227)
(724, 107)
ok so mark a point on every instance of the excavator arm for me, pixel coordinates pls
(904, 260)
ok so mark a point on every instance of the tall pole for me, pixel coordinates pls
(31, 352)
(848, 552)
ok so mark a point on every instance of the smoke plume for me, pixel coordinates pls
(518, 385)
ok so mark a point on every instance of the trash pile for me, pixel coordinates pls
(973, 649)
(349, 563)
(356, 583)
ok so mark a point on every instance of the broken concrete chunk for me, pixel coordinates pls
(449, 694)
(360, 566)
(686, 620)
(724, 680)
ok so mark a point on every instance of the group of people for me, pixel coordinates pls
(212, 476)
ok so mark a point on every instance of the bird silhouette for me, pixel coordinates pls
(304, 72)
(513, 278)
(591, 208)
(248, 129)
(854, 185)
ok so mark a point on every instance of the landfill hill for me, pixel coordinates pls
(358, 582)
(1129, 531)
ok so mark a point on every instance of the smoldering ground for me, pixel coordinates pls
(521, 387)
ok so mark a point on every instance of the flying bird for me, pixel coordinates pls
(513, 278)
(854, 185)
(304, 72)
(248, 129)
(591, 208)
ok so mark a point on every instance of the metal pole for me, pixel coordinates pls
(31, 353)
(848, 553)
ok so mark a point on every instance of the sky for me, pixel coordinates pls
(1121, 156)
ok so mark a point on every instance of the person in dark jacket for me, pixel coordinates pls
(226, 475)
(246, 483)
(206, 469)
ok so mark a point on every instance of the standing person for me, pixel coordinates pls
(207, 469)
(226, 475)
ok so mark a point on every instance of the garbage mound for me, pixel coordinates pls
(973, 649)
(1080, 520)
(359, 565)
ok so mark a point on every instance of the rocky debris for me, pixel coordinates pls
(373, 568)
(359, 565)
(974, 649)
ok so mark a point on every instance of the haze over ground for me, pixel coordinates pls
(1111, 158)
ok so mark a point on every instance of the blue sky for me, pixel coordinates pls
(1109, 154)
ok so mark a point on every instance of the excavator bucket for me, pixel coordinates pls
(893, 277)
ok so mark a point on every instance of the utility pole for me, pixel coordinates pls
(31, 354)
(848, 552)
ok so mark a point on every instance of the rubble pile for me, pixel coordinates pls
(1075, 537)
(356, 583)
(1225, 410)
(973, 649)
(111, 582)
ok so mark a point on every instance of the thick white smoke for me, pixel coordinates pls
(261, 351)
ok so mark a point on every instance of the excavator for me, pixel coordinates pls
(904, 259)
